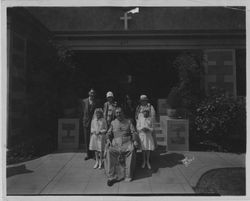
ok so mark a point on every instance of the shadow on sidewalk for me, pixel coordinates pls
(159, 159)
(21, 169)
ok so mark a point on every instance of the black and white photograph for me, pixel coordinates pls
(125, 101)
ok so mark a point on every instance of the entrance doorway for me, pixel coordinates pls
(126, 72)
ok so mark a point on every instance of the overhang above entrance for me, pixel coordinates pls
(150, 40)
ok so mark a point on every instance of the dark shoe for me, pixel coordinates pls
(86, 158)
(111, 182)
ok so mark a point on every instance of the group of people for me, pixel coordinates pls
(114, 133)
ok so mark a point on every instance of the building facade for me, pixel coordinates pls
(217, 34)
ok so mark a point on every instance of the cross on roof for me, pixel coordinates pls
(126, 18)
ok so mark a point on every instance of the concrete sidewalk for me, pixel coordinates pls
(68, 173)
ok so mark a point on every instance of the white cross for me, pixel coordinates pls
(126, 18)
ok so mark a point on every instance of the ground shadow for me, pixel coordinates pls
(159, 159)
(68, 151)
(21, 169)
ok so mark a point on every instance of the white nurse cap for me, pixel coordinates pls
(109, 94)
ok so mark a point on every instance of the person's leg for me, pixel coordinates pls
(87, 139)
(130, 164)
(90, 152)
(100, 161)
(96, 159)
(102, 148)
(147, 156)
(111, 160)
(143, 159)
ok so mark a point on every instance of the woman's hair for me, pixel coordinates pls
(146, 110)
(98, 110)
(119, 108)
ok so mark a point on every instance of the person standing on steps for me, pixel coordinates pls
(145, 128)
(109, 108)
(144, 104)
(87, 111)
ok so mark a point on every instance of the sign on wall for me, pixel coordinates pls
(177, 133)
(68, 134)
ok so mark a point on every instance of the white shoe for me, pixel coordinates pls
(127, 179)
(100, 165)
(149, 166)
(96, 165)
(143, 165)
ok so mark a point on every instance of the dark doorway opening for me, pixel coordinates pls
(126, 72)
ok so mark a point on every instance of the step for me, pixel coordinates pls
(157, 128)
(161, 143)
(157, 125)
(160, 139)
(158, 132)
(160, 136)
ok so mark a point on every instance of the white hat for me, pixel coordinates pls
(109, 94)
(143, 97)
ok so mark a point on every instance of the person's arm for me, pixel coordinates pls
(134, 133)
(142, 125)
(104, 111)
(154, 135)
(93, 127)
(150, 125)
(83, 107)
(152, 113)
(109, 134)
(104, 127)
(137, 112)
(138, 125)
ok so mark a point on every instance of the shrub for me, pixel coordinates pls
(189, 67)
(174, 98)
(27, 147)
(221, 120)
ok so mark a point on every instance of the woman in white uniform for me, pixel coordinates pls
(145, 128)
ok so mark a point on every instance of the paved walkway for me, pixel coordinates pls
(68, 173)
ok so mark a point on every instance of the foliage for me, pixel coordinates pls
(219, 118)
(189, 68)
(174, 98)
(29, 147)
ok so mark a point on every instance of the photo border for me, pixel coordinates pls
(106, 3)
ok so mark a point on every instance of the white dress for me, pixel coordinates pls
(146, 138)
(98, 131)
(150, 108)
